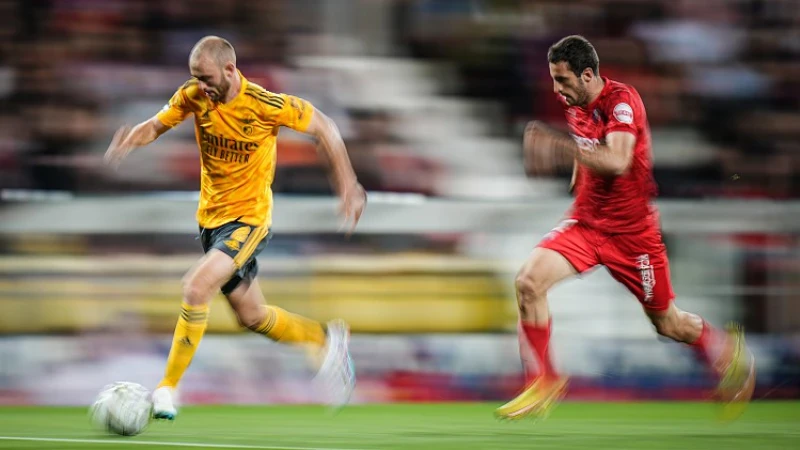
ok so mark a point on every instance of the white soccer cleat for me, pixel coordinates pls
(163, 406)
(337, 374)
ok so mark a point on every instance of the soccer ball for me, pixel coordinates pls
(122, 408)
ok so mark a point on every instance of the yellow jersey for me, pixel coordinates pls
(237, 143)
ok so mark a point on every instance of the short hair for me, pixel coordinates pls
(218, 49)
(576, 51)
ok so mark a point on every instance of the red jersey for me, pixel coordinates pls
(619, 204)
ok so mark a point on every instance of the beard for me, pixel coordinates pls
(224, 87)
(581, 94)
(220, 93)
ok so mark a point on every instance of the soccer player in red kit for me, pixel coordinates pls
(612, 223)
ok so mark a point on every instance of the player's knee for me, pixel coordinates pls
(195, 292)
(530, 288)
(249, 318)
(248, 321)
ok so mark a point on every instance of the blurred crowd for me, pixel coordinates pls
(719, 79)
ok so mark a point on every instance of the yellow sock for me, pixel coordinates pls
(188, 332)
(285, 327)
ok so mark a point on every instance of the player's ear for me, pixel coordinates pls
(587, 75)
(229, 69)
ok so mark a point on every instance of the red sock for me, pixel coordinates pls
(530, 365)
(710, 347)
(539, 338)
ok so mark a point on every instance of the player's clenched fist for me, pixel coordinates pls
(538, 151)
(119, 148)
(354, 200)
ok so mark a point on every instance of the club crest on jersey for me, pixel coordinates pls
(623, 113)
(247, 128)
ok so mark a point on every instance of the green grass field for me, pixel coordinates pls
(595, 426)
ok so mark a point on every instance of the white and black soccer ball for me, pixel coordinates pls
(122, 408)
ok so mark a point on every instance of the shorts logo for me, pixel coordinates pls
(648, 277)
(237, 238)
(623, 113)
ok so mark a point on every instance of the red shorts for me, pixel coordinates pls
(638, 261)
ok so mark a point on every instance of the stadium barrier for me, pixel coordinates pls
(387, 294)
(43, 212)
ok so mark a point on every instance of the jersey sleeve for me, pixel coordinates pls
(621, 111)
(178, 108)
(294, 112)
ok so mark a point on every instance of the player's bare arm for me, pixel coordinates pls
(545, 147)
(126, 139)
(345, 183)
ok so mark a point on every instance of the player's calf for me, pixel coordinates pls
(711, 344)
(680, 326)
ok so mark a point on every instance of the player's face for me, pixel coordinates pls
(568, 85)
(214, 80)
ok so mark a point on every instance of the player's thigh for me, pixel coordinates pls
(542, 270)
(574, 245)
(241, 243)
(247, 300)
(564, 252)
(210, 273)
(639, 261)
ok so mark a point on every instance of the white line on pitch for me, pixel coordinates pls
(166, 444)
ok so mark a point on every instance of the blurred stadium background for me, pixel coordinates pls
(431, 96)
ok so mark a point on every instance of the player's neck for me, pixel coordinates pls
(236, 86)
(595, 89)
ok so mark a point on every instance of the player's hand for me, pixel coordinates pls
(354, 200)
(118, 149)
(538, 149)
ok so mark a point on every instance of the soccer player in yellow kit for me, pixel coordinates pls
(236, 125)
